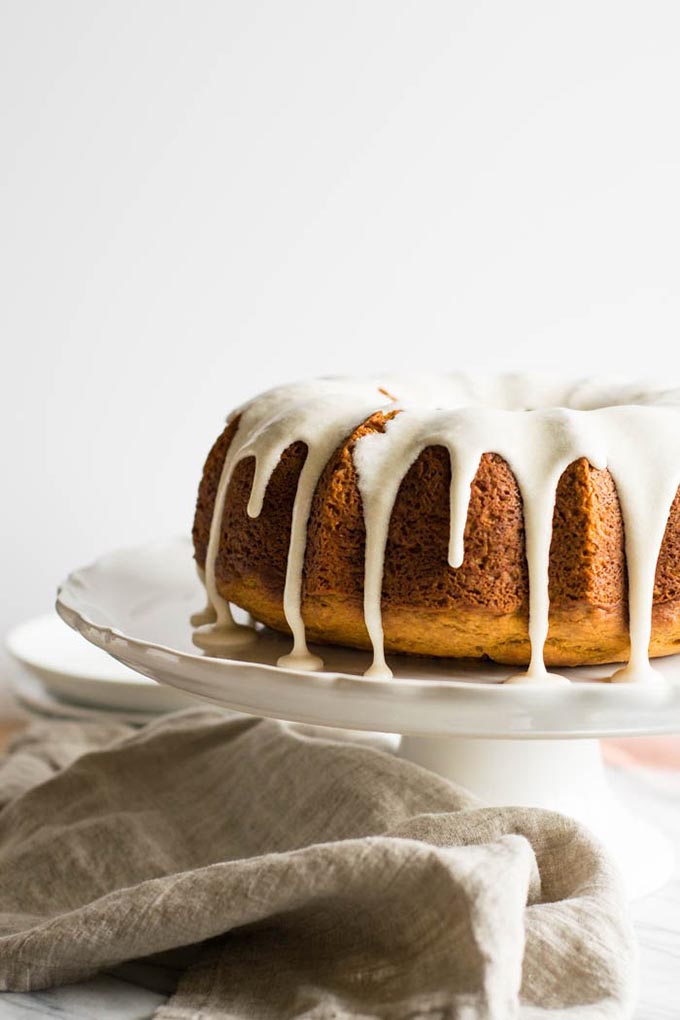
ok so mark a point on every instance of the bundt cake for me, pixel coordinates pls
(528, 522)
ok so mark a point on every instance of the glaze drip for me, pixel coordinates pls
(320, 417)
(207, 614)
(539, 428)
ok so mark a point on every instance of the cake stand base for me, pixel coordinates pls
(561, 775)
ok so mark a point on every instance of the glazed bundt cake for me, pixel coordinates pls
(526, 522)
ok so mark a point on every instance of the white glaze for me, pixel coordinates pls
(207, 614)
(319, 416)
(538, 427)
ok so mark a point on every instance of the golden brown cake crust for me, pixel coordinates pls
(479, 609)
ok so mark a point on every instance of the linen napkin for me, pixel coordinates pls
(327, 879)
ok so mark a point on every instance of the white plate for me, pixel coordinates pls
(32, 694)
(75, 671)
(136, 604)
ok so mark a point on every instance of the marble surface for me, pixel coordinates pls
(134, 990)
(656, 796)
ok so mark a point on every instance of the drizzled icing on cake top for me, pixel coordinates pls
(539, 427)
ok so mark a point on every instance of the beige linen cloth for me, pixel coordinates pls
(328, 879)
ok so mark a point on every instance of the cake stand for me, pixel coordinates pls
(509, 744)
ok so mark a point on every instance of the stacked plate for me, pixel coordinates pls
(67, 677)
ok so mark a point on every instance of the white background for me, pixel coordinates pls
(199, 200)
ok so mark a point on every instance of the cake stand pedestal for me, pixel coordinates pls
(508, 744)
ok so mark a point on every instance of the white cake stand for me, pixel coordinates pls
(510, 744)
